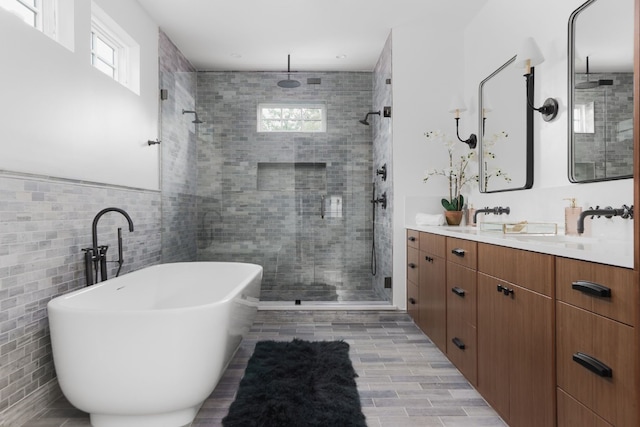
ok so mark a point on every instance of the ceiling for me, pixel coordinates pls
(322, 35)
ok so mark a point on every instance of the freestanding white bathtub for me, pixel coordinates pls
(147, 348)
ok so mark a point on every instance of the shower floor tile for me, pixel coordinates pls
(403, 379)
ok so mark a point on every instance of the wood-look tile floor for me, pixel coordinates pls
(403, 379)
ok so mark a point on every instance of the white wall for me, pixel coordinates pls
(431, 64)
(61, 117)
(427, 70)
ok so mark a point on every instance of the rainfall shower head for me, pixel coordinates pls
(590, 84)
(288, 84)
(364, 121)
(197, 120)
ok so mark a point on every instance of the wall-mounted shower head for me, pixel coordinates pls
(364, 121)
(197, 120)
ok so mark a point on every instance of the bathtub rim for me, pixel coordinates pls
(57, 303)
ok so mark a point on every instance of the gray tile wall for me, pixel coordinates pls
(178, 154)
(44, 224)
(609, 149)
(382, 154)
(280, 228)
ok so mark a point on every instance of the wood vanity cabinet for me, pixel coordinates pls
(516, 334)
(597, 343)
(548, 341)
(432, 289)
(461, 306)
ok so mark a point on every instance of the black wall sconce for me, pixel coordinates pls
(528, 57)
(457, 106)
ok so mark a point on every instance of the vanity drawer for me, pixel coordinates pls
(531, 270)
(413, 265)
(609, 388)
(461, 293)
(462, 348)
(413, 301)
(463, 252)
(615, 294)
(413, 239)
(572, 413)
(433, 244)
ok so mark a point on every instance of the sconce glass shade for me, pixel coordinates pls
(529, 55)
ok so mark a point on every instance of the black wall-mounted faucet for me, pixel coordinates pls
(498, 210)
(608, 212)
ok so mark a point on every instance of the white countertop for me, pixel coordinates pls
(612, 252)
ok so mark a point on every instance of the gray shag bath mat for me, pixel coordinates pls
(297, 384)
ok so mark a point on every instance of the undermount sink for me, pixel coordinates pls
(557, 238)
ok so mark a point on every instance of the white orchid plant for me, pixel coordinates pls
(457, 172)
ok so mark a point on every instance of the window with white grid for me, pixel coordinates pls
(288, 117)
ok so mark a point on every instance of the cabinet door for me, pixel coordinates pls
(515, 352)
(433, 303)
(493, 344)
(531, 348)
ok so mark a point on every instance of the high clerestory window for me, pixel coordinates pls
(288, 117)
(105, 52)
(40, 14)
(113, 51)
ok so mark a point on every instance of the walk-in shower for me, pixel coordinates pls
(297, 203)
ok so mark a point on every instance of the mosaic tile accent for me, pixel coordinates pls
(44, 224)
(403, 379)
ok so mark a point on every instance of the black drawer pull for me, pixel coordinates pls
(591, 288)
(504, 290)
(412, 300)
(458, 291)
(428, 258)
(458, 343)
(412, 238)
(411, 265)
(593, 364)
(458, 252)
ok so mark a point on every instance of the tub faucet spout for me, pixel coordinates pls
(498, 210)
(98, 254)
(625, 212)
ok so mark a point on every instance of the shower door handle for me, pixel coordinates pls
(322, 206)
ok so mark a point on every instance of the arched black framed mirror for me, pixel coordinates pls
(600, 97)
(505, 151)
